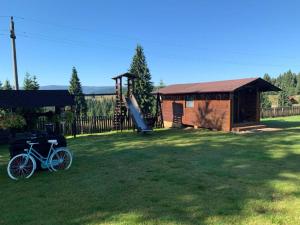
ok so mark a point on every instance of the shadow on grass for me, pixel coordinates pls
(168, 177)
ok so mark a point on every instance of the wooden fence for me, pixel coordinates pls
(280, 111)
(90, 125)
(100, 124)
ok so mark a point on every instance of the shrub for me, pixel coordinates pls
(11, 120)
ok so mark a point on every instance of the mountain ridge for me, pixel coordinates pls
(85, 89)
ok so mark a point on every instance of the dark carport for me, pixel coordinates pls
(31, 99)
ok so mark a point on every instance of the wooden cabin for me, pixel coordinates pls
(221, 105)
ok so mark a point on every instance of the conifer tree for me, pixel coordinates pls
(6, 85)
(267, 78)
(264, 96)
(30, 82)
(161, 84)
(264, 101)
(76, 89)
(298, 84)
(283, 99)
(143, 86)
(287, 82)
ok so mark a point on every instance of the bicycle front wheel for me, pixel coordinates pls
(21, 166)
(61, 159)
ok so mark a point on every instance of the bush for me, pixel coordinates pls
(11, 120)
(68, 116)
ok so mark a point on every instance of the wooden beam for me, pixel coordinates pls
(257, 106)
(231, 97)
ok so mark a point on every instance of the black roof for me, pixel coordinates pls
(33, 99)
(128, 75)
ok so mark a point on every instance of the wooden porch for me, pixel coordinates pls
(240, 127)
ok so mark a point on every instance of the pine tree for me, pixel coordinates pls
(287, 82)
(283, 99)
(27, 82)
(267, 78)
(76, 89)
(143, 86)
(30, 82)
(264, 101)
(161, 84)
(298, 84)
(6, 85)
(264, 96)
(35, 83)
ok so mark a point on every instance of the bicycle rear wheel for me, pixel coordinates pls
(21, 166)
(61, 159)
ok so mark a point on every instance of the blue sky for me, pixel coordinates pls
(184, 41)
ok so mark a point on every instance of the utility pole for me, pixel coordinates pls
(14, 53)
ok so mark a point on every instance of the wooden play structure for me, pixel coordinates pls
(126, 104)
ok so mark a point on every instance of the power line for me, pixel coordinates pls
(159, 43)
(51, 24)
(169, 57)
(69, 41)
(78, 43)
(137, 39)
(181, 47)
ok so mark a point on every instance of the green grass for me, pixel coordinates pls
(168, 177)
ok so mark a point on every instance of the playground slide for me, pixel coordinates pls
(135, 112)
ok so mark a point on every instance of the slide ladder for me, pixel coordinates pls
(136, 114)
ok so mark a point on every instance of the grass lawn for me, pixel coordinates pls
(168, 177)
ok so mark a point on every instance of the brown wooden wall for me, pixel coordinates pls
(212, 114)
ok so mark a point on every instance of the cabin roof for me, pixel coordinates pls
(218, 86)
(35, 98)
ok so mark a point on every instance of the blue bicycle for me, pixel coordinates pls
(23, 165)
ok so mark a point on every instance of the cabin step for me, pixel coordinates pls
(248, 128)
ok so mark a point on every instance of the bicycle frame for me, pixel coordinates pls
(44, 160)
(24, 164)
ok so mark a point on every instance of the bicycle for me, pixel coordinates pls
(23, 165)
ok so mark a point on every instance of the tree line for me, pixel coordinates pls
(288, 82)
(30, 83)
(92, 107)
(103, 106)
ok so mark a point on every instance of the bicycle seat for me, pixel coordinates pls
(32, 143)
(54, 142)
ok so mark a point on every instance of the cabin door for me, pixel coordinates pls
(177, 113)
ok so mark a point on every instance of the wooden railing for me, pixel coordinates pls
(280, 111)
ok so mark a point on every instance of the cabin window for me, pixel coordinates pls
(189, 102)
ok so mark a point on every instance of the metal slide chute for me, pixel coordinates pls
(136, 114)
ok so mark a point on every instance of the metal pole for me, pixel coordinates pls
(14, 53)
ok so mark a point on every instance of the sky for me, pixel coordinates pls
(184, 41)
